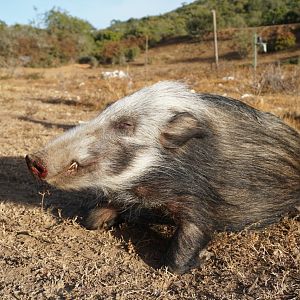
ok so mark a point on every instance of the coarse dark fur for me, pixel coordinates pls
(223, 167)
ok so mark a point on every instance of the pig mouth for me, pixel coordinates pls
(72, 169)
(36, 168)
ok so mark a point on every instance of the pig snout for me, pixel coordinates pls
(36, 166)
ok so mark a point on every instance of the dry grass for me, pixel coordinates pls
(273, 79)
(45, 254)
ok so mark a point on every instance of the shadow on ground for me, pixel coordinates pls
(227, 56)
(68, 102)
(234, 56)
(149, 242)
(45, 123)
(19, 187)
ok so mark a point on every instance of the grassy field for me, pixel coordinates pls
(46, 254)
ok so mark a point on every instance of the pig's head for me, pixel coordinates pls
(127, 140)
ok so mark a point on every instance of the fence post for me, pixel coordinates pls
(255, 51)
(146, 57)
(215, 38)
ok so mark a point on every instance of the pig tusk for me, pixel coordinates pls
(73, 166)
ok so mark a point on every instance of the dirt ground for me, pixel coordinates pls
(46, 254)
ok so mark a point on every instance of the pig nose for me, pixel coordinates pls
(36, 166)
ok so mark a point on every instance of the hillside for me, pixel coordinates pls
(63, 39)
(195, 18)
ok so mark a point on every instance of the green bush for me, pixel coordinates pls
(117, 52)
(200, 24)
(283, 39)
(131, 53)
(107, 35)
(243, 42)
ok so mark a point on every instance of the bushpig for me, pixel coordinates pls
(205, 162)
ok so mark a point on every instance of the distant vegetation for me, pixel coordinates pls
(61, 38)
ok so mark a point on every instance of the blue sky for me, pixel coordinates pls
(98, 13)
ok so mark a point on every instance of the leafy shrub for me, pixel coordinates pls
(132, 53)
(107, 35)
(117, 52)
(283, 39)
(200, 24)
(243, 42)
(62, 40)
(111, 53)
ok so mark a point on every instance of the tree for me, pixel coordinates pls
(57, 20)
(200, 23)
(2, 25)
(76, 33)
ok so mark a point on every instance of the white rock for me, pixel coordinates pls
(246, 96)
(114, 74)
(228, 78)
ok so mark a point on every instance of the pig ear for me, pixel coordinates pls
(181, 128)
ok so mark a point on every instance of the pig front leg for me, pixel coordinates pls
(183, 252)
(107, 215)
(102, 217)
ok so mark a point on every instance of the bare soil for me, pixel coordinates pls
(46, 254)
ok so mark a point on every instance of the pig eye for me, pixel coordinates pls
(125, 126)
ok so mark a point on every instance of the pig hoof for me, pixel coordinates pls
(205, 255)
(182, 268)
(101, 218)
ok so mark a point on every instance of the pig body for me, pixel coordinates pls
(202, 161)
